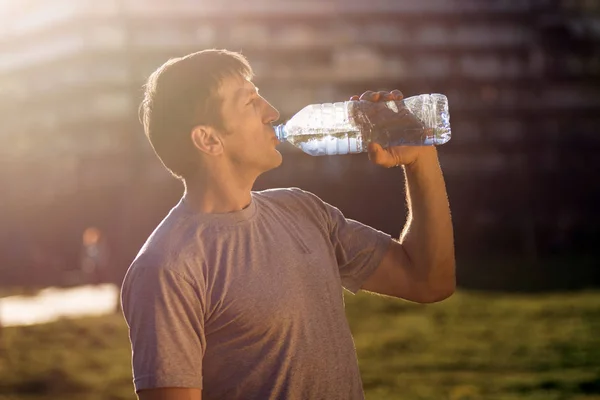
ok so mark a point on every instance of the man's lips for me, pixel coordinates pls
(274, 136)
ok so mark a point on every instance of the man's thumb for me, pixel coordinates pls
(375, 151)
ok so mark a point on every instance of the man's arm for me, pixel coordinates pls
(170, 394)
(420, 266)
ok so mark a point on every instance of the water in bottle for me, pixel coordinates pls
(348, 127)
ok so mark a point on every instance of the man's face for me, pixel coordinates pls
(249, 140)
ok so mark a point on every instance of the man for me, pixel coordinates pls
(239, 294)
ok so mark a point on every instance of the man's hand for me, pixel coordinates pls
(392, 156)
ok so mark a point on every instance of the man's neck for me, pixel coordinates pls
(211, 194)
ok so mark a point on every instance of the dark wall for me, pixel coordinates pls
(41, 245)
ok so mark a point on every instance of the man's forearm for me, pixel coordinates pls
(428, 237)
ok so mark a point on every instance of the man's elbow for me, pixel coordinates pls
(437, 295)
(440, 288)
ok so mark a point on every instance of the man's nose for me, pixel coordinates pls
(271, 113)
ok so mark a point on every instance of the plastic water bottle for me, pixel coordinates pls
(348, 127)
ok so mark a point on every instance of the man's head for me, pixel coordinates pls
(202, 108)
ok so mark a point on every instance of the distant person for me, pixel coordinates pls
(239, 294)
(95, 257)
(2, 346)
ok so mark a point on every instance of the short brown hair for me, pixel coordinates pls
(181, 94)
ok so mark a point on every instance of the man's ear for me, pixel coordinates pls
(207, 140)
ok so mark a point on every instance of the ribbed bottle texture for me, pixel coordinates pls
(348, 127)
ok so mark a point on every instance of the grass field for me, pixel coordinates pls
(472, 346)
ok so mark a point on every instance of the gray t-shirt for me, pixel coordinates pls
(249, 304)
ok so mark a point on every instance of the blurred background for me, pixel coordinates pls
(81, 188)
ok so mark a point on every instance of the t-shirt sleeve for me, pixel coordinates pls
(359, 248)
(164, 312)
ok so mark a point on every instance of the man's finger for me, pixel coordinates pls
(397, 94)
(369, 96)
(354, 98)
(385, 96)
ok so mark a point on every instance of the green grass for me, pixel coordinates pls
(472, 346)
(479, 346)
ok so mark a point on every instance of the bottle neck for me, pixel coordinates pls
(280, 132)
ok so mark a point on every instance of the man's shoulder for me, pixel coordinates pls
(160, 262)
(169, 233)
(169, 245)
